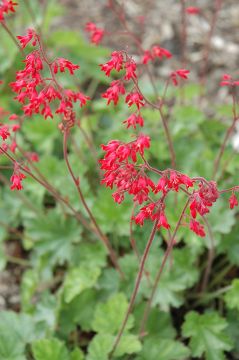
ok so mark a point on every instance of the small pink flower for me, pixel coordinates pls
(181, 73)
(192, 10)
(96, 33)
(135, 98)
(233, 201)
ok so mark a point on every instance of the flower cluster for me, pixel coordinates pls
(16, 178)
(6, 7)
(96, 33)
(36, 92)
(157, 52)
(203, 198)
(179, 74)
(192, 10)
(227, 80)
(121, 61)
(120, 171)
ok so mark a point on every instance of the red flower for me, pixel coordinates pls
(147, 57)
(233, 201)
(16, 178)
(116, 63)
(4, 132)
(130, 67)
(114, 91)
(192, 10)
(24, 40)
(197, 228)
(181, 73)
(227, 80)
(96, 33)
(133, 120)
(203, 199)
(6, 7)
(160, 52)
(135, 98)
(64, 64)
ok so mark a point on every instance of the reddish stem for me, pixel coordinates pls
(217, 7)
(158, 276)
(136, 287)
(76, 181)
(226, 138)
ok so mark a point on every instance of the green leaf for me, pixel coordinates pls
(93, 254)
(175, 279)
(158, 322)
(230, 245)
(53, 235)
(232, 296)
(129, 344)
(49, 349)
(109, 316)
(79, 311)
(41, 133)
(78, 279)
(207, 335)
(15, 332)
(100, 347)
(102, 344)
(77, 354)
(167, 348)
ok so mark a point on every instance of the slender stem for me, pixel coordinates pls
(211, 254)
(206, 52)
(6, 28)
(77, 185)
(121, 18)
(136, 287)
(226, 138)
(221, 275)
(164, 122)
(18, 261)
(183, 33)
(158, 276)
(134, 246)
(57, 196)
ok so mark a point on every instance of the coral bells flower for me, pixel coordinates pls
(120, 171)
(4, 132)
(96, 33)
(114, 91)
(227, 80)
(159, 52)
(197, 228)
(115, 63)
(16, 178)
(147, 57)
(192, 10)
(233, 201)
(6, 7)
(37, 93)
(135, 98)
(31, 35)
(181, 73)
(130, 67)
(203, 199)
(63, 64)
(134, 120)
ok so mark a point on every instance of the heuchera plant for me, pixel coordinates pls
(124, 166)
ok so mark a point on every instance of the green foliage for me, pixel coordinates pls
(232, 295)
(207, 335)
(167, 348)
(72, 300)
